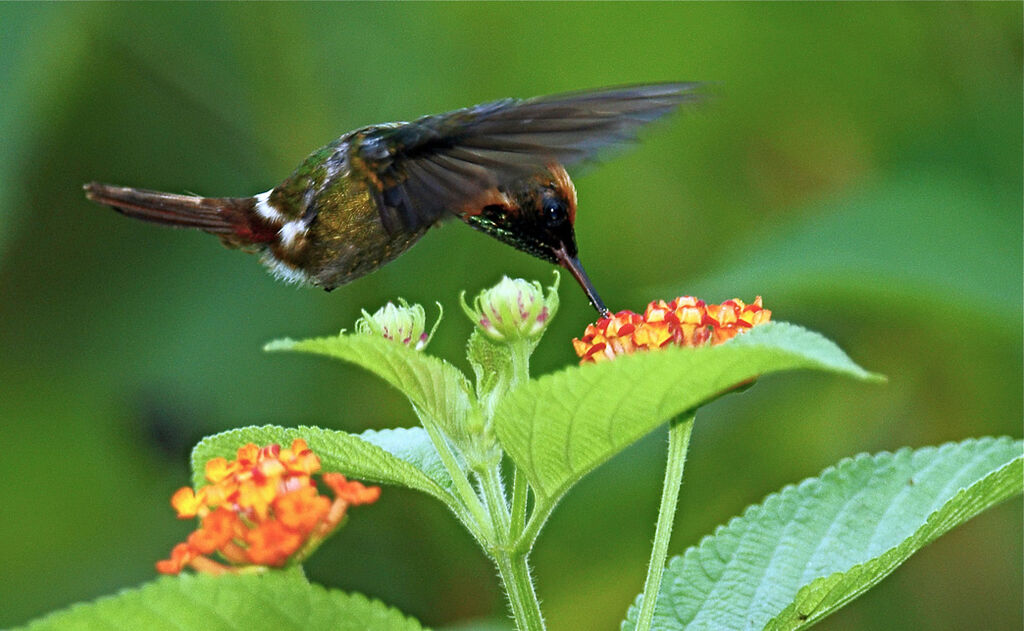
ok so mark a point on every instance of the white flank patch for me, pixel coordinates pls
(292, 231)
(285, 272)
(265, 210)
(336, 164)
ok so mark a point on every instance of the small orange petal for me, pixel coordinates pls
(688, 310)
(181, 554)
(580, 346)
(723, 334)
(301, 510)
(656, 311)
(219, 527)
(221, 493)
(271, 543)
(186, 502)
(256, 495)
(299, 458)
(270, 452)
(248, 455)
(218, 469)
(351, 491)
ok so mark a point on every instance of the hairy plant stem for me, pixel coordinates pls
(477, 521)
(511, 563)
(678, 441)
(521, 351)
(519, 492)
(528, 536)
(515, 575)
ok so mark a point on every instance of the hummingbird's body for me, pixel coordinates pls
(330, 230)
(367, 197)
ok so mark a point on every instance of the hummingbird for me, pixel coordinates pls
(367, 197)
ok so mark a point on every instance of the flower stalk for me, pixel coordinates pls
(679, 431)
(511, 562)
(515, 576)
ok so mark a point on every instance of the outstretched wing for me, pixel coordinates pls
(436, 164)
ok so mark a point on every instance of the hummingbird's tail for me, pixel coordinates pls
(231, 218)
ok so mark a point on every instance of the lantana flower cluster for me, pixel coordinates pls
(684, 321)
(261, 509)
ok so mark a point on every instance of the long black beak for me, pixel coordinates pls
(575, 268)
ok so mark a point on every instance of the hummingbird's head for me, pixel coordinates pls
(535, 214)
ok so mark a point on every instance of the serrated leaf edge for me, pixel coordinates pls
(375, 606)
(830, 471)
(897, 559)
(428, 485)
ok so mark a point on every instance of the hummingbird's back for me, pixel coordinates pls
(329, 224)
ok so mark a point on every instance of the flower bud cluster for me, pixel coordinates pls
(402, 323)
(514, 309)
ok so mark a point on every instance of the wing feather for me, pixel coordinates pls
(436, 164)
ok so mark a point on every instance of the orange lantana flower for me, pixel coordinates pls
(685, 321)
(733, 316)
(261, 509)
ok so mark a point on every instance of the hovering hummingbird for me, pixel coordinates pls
(367, 197)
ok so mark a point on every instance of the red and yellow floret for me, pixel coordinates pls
(684, 321)
(261, 509)
(733, 316)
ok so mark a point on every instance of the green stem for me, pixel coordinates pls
(512, 565)
(515, 576)
(520, 351)
(541, 511)
(678, 441)
(494, 497)
(477, 522)
(519, 491)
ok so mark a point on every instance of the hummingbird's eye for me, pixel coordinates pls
(555, 212)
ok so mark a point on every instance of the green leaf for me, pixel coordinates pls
(490, 361)
(411, 444)
(559, 427)
(813, 547)
(403, 457)
(274, 601)
(435, 387)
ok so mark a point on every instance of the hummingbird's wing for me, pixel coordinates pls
(434, 165)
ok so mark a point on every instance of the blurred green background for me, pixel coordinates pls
(860, 167)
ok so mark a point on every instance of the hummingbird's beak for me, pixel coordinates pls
(575, 268)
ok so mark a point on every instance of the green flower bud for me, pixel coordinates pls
(402, 323)
(514, 309)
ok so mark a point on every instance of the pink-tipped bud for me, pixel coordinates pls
(402, 323)
(514, 309)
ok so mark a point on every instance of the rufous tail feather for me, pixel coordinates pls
(231, 218)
